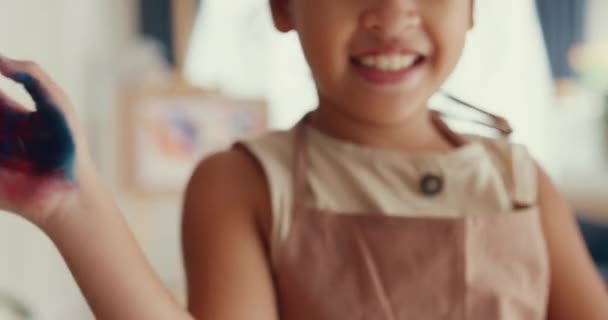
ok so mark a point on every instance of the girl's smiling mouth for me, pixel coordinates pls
(388, 68)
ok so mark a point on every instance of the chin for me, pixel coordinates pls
(382, 114)
(391, 107)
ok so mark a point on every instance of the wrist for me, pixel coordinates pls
(87, 196)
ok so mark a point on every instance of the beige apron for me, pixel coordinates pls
(372, 266)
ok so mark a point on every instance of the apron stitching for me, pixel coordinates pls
(373, 272)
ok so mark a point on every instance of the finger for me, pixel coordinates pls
(5, 100)
(36, 90)
(37, 83)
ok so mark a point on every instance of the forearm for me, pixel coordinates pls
(44, 152)
(106, 261)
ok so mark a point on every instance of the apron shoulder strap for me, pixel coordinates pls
(300, 167)
(525, 176)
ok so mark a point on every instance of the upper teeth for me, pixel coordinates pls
(389, 62)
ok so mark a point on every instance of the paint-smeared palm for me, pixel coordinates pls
(38, 143)
(38, 158)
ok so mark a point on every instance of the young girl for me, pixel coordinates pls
(370, 208)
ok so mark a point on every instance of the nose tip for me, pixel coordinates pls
(392, 18)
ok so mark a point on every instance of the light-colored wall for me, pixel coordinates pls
(504, 69)
(597, 25)
(69, 38)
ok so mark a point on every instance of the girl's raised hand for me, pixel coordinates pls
(43, 154)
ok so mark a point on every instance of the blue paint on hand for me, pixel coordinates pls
(39, 142)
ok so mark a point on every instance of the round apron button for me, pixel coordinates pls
(431, 184)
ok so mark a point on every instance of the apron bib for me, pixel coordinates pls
(373, 266)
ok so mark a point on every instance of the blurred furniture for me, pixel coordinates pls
(12, 308)
(596, 237)
(184, 18)
(168, 130)
(169, 22)
(170, 124)
(563, 24)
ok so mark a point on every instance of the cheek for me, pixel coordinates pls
(448, 39)
(326, 59)
(452, 48)
(325, 30)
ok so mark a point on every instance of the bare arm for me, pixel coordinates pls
(225, 257)
(48, 177)
(106, 261)
(577, 290)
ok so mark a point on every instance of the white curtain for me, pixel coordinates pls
(505, 70)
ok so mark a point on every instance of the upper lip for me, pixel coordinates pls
(387, 50)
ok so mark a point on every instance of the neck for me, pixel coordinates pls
(414, 131)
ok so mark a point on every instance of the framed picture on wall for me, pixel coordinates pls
(167, 132)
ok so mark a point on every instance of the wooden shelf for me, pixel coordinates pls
(184, 17)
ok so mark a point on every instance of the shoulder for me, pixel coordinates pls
(238, 173)
(273, 153)
(223, 230)
(274, 148)
(517, 162)
(568, 255)
(225, 186)
(239, 180)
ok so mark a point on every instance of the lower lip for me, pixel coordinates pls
(380, 77)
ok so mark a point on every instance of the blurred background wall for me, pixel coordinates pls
(95, 51)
